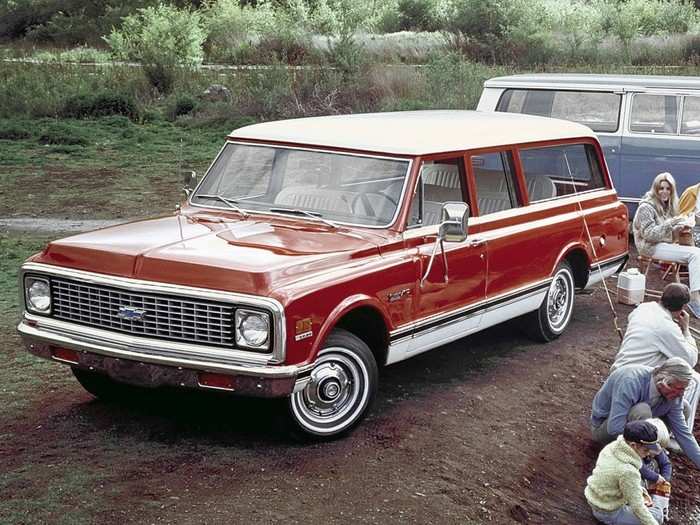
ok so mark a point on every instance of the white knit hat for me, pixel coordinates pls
(661, 431)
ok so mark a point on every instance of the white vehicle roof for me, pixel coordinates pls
(593, 81)
(414, 132)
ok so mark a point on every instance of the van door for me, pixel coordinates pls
(651, 145)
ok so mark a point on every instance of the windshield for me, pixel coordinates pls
(328, 186)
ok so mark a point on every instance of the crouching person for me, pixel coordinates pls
(614, 490)
(638, 392)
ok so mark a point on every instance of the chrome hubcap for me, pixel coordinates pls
(559, 301)
(328, 389)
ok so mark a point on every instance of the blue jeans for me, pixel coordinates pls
(625, 516)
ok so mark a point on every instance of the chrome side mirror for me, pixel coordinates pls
(453, 228)
(453, 222)
(189, 181)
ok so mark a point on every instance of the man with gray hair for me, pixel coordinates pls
(658, 331)
(637, 392)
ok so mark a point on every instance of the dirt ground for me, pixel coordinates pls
(490, 429)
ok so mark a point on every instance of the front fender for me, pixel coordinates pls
(344, 307)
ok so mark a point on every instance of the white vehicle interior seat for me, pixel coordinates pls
(310, 198)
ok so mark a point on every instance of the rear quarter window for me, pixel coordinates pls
(558, 171)
(599, 111)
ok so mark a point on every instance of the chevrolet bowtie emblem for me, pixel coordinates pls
(131, 313)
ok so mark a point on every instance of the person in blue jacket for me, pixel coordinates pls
(657, 468)
(638, 392)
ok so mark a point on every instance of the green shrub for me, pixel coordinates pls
(691, 50)
(180, 105)
(389, 21)
(232, 28)
(100, 104)
(345, 51)
(14, 130)
(500, 31)
(162, 38)
(184, 105)
(64, 134)
(579, 26)
(417, 15)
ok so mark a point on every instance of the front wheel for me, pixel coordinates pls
(552, 317)
(343, 386)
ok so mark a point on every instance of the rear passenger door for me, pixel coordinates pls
(513, 238)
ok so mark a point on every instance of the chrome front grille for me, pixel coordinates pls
(169, 317)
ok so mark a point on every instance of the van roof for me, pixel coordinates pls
(595, 81)
(413, 132)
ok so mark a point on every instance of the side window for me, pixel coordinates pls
(654, 114)
(598, 110)
(439, 182)
(561, 170)
(690, 123)
(495, 184)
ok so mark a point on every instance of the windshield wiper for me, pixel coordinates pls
(297, 211)
(230, 203)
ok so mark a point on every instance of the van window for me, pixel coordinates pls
(439, 182)
(654, 114)
(690, 123)
(599, 111)
(495, 184)
(560, 170)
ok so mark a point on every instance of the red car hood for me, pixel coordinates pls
(245, 256)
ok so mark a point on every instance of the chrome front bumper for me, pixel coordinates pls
(145, 362)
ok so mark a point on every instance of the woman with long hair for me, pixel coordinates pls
(654, 226)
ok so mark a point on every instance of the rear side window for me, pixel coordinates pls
(558, 171)
(598, 110)
(654, 114)
(494, 180)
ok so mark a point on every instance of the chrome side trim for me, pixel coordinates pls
(275, 307)
(486, 304)
(474, 322)
(121, 346)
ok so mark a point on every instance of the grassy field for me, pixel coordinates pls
(100, 168)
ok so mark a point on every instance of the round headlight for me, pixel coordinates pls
(38, 295)
(252, 328)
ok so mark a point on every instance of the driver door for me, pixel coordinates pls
(448, 297)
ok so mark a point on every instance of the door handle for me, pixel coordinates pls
(475, 243)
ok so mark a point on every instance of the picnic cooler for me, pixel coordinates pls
(630, 286)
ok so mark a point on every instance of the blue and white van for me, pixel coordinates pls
(646, 124)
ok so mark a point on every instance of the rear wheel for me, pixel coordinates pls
(552, 317)
(343, 386)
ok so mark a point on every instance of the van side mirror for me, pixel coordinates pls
(454, 219)
(453, 228)
(189, 181)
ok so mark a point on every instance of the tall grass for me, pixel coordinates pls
(446, 81)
